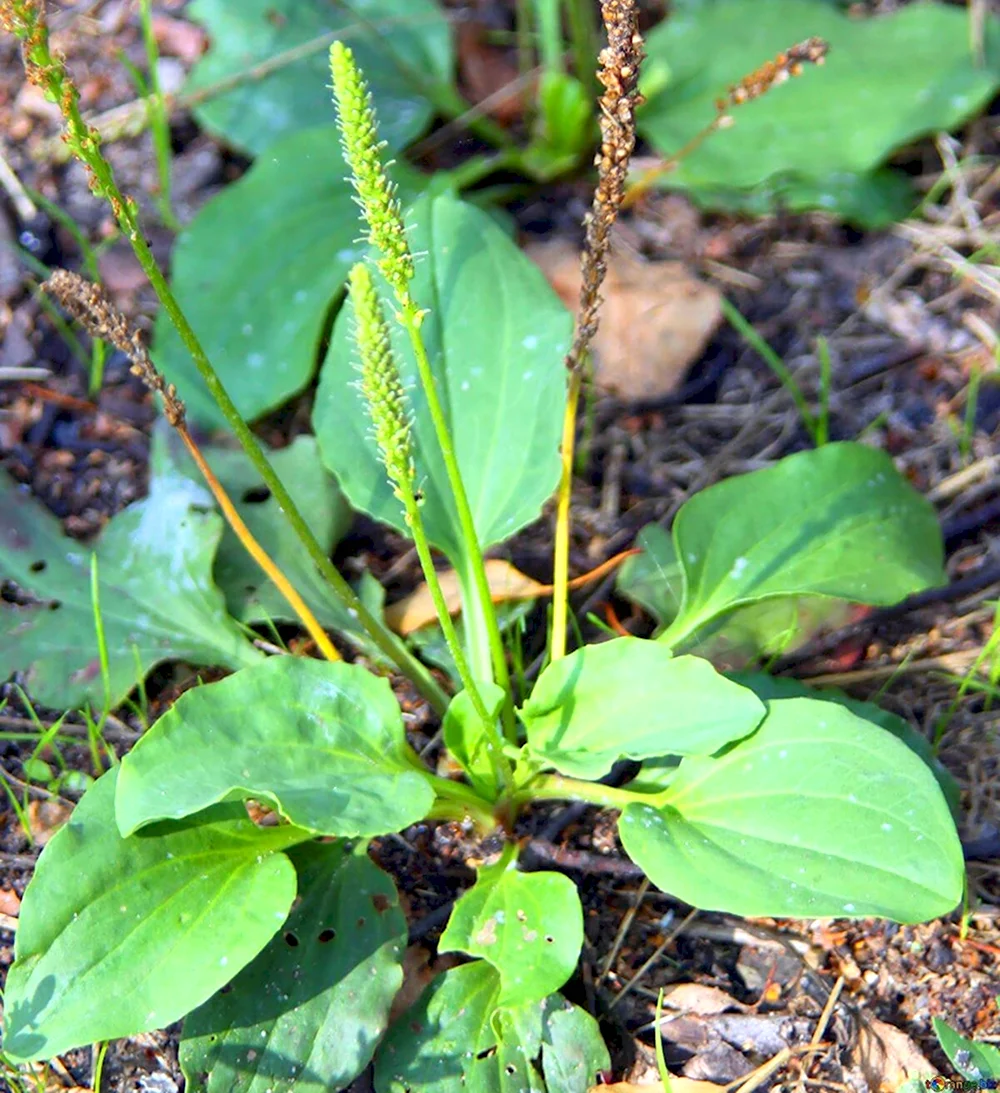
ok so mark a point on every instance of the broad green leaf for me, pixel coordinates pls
(767, 688)
(653, 579)
(457, 1040)
(768, 628)
(250, 595)
(573, 1052)
(323, 742)
(565, 127)
(403, 46)
(631, 698)
(973, 1060)
(157, 598)
(495, 334)
(877, 199)
(306, 1014)
(818, 813)
(257, 289)
(465, 739)
(117, 936)
(443, 1045)
(886, 81)
(839, 521)
(529, 926)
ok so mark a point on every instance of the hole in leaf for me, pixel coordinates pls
(39, 566)
(326, 935)
(55, 605)
(291, 940)
(510, 1069)
(549, 939)
(361, 922)
(256, 495)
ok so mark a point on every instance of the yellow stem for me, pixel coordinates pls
(560, 574)
(646, 180)
(257, 552)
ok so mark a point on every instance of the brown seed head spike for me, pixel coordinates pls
(812, 51)
(618, 74)
(90, 307)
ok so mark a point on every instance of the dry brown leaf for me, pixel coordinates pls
(10, 902)
(417, 609)
(488, 74)
(697, 998)
(179, 38)
(887, 1057)
(677, 1085)
(656, 321)
(46, 817)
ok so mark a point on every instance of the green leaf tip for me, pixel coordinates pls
(381, 385)
(362, 150)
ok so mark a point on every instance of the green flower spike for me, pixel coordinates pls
(362, 150)
(380, 383)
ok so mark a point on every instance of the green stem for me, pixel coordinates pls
(455, 800)
(524, 31)
(158, 117)
(476, 628)
(502, 771)
(556, 787)
(550, 34)
(583, 38)
(410, 316)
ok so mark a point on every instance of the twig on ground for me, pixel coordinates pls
(118, 732)
(626, 924)
(657, 953)
(580, 861)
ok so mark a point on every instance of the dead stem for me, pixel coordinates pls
(757, 83)
(86, 302)
(89, 306)
(618, 75)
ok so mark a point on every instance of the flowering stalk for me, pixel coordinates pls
(759, 82)
(387, 234)
(619, 74)
(383, 393)
(25, 20)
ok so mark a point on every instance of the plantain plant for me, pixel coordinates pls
(440, 409)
